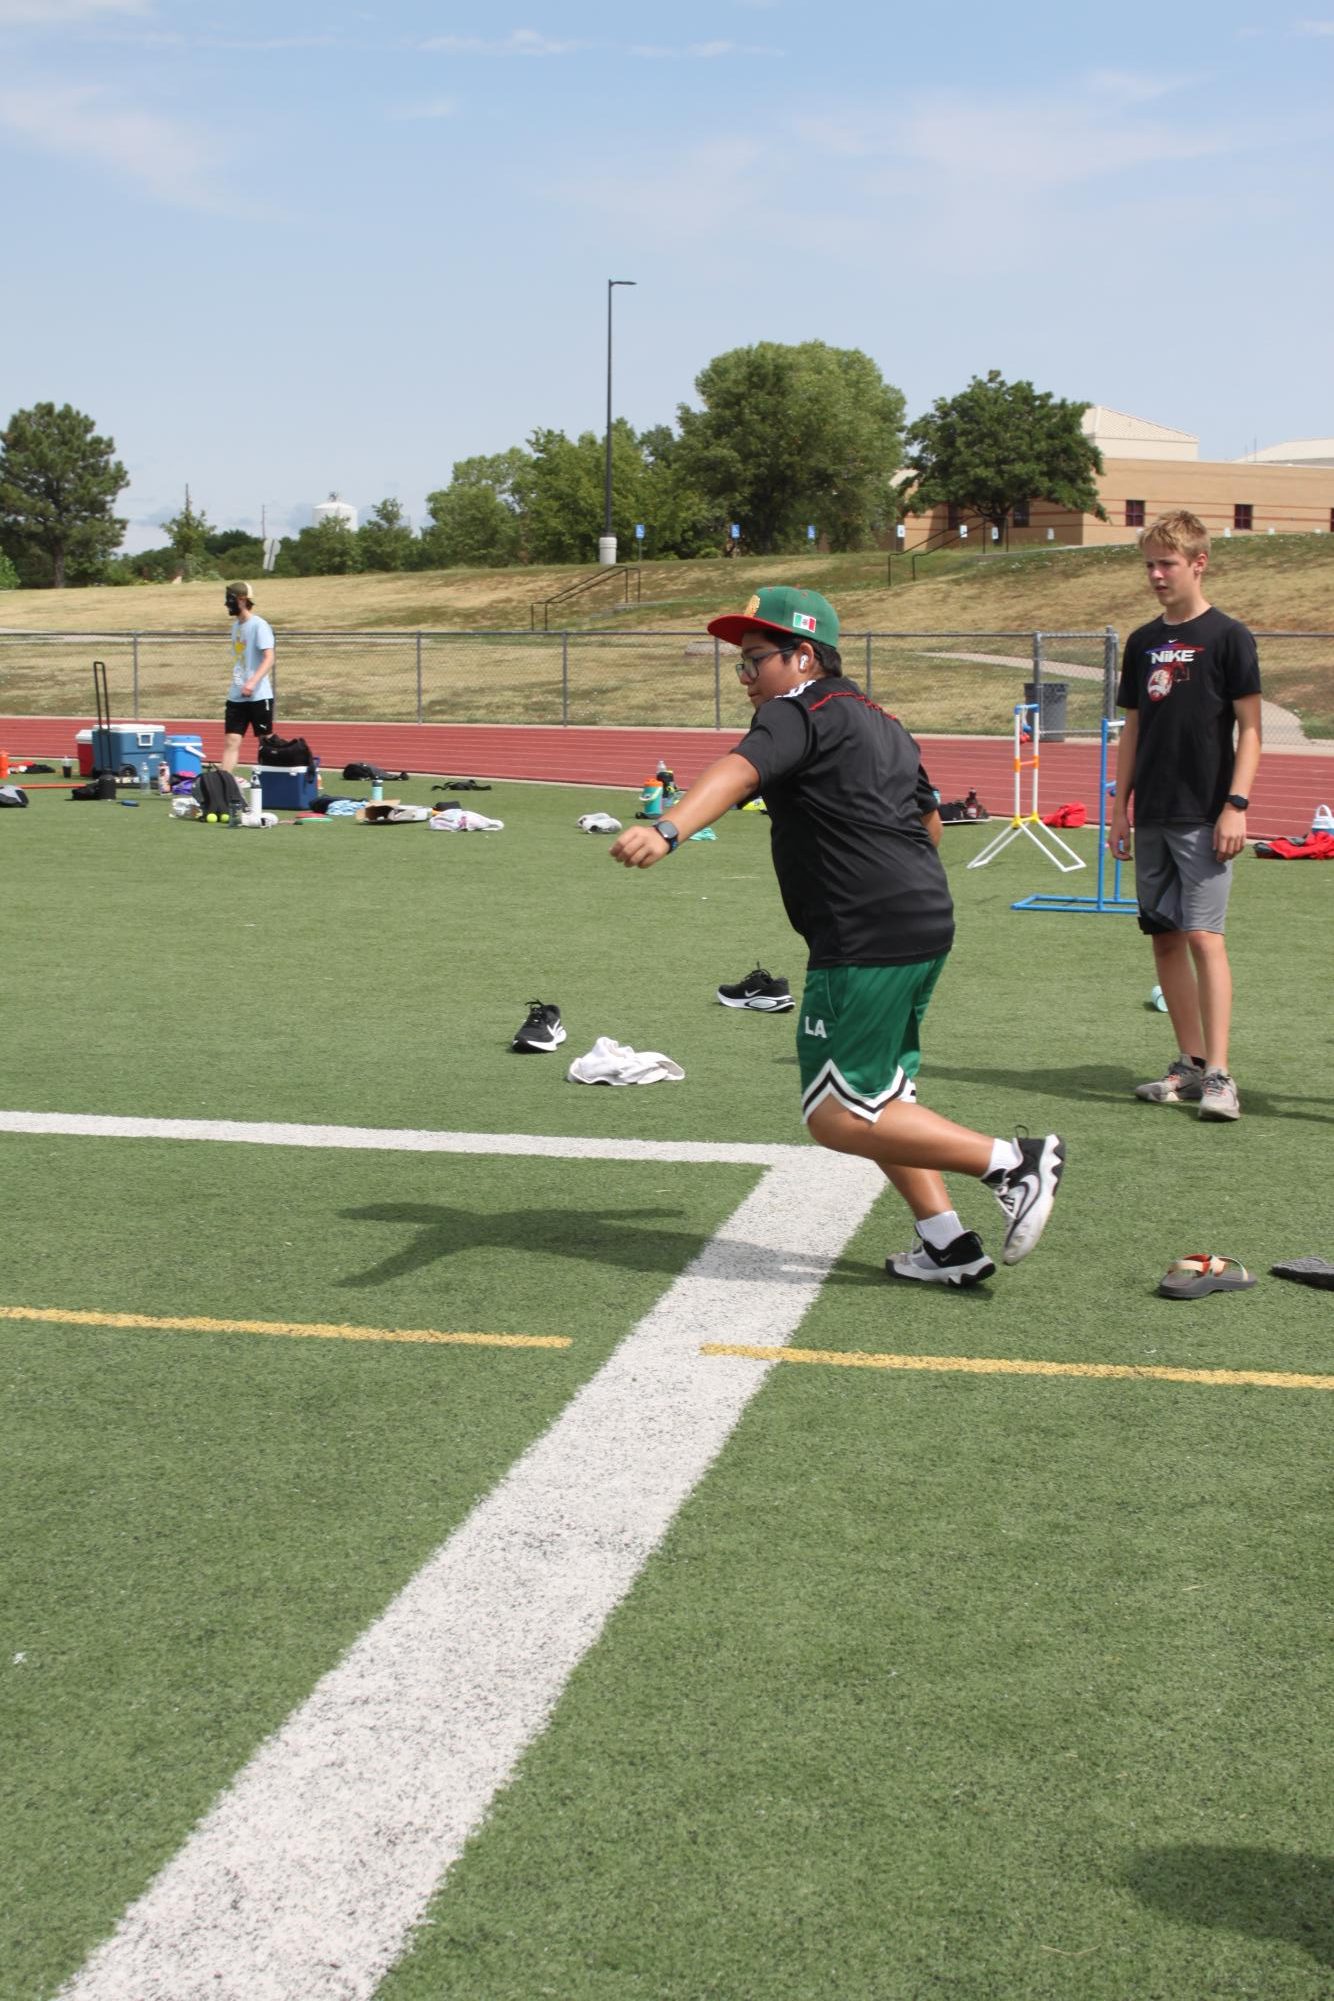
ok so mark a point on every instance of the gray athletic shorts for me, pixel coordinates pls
(1180, 884)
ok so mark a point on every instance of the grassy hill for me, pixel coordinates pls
(1274, 583)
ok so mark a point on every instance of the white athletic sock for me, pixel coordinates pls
(939, 1231)
(1004, 1155)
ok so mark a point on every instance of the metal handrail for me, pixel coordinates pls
(582, 584)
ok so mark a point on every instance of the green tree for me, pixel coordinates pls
(475, 519)
(188, 533)
(9, 576)
(791, 435)
(385, 539)
(998, 443)
(223, 541)
(329, 549)
(58, 486)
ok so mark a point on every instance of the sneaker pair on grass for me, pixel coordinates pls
(766, 992)
(1186, 1082)
(1025, 1193)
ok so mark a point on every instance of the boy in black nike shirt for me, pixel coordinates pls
(1186, 680)
(854, 825)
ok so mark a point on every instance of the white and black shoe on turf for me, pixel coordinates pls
(1026, 1193)
(964, 1262)
(541, 1030)
(764, 991)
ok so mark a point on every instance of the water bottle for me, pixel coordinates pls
(666, 777)
(143, 774)
(377, 788)
(164, 779)
(650, 800)
(256, 792)
(972, 806)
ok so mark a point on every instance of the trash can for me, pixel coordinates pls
(1052, 698)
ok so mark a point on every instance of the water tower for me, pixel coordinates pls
(336, 509)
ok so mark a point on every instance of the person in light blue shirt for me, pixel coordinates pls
(250, 697)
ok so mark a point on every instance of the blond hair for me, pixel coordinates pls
(1181, 532)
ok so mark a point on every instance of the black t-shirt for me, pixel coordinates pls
(1182, 680)
(846, 791)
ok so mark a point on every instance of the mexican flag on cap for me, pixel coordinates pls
(780, 608)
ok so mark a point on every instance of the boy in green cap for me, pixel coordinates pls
(854, 829)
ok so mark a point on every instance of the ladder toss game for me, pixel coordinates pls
(1044, 839)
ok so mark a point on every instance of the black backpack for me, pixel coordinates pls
(216, 791)
(13, 795)
(286, 750)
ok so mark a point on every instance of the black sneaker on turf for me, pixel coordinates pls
(1026, 1192)
(760, 989)
(541, 1030)
(964, 1262)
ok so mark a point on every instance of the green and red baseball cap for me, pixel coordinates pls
(783, 609)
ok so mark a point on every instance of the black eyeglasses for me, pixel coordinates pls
(749, 665)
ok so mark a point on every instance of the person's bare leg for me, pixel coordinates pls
(1214, 986)
(231, 750)
(905, 1136)
(921, 1188)
(1176, 976)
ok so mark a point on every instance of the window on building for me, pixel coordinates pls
(1020, 515)
(1134, 514)
(1243, 514)
(954, 516)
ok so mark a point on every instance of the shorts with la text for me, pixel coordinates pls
(1180, 884)
(238, 717)
(859, 1034)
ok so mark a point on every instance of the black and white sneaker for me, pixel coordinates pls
(541, 1030)
(1026, 1193)
(964, 1262)
(761, 990)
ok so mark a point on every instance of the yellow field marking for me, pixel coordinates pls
(322, 1330)
(1269, 1379)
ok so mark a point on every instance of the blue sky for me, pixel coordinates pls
(280, 248)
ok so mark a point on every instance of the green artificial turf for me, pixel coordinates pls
(970, 1686)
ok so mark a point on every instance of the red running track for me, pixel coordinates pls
(1287, 791)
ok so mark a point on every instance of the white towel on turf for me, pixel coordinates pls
(458, 820)
(611, 1062)
(599, 823)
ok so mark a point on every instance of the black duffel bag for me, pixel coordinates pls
(286, 750)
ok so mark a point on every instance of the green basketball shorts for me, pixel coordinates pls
(859, 1034)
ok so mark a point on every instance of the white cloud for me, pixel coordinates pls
(53, 13)
(1314, 28)
(434, 107)
(79, 121)
(518, 42)
(1129, 87)
(698, 51)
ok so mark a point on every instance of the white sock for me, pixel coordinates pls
(939, 1231)
(1004, 1155)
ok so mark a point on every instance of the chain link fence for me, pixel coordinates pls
(941, 683)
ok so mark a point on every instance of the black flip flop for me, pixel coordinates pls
(1307, 1271)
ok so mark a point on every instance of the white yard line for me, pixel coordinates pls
(396, 1139)
(309, 1873)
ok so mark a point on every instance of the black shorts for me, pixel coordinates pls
(238, 717)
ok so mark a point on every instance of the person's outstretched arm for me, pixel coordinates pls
(723, 785)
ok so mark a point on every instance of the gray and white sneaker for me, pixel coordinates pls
(1026, 1192)
(964, 1262)
(1218, 1096)
(1181, 1084)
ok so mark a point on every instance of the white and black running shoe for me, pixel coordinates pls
(964, 1262)
(762, 990)
(1026, 1193)
(541, 1030)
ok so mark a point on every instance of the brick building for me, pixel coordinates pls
(1148, 469)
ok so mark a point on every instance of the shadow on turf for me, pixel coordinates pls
(602, 1236)
(1263, 1892)
(1107, 1083)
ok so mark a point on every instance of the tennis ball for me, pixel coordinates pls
(212, 819)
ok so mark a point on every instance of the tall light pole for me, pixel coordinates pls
(607, 543)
